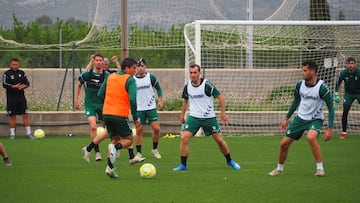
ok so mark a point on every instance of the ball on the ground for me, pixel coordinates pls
(39, 133)
(100, 130)
(147, 171)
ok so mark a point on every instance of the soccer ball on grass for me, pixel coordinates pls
(39, 133)
(147, 171)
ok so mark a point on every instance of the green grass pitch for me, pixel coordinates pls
(52, 170)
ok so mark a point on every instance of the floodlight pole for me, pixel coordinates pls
(124, 30)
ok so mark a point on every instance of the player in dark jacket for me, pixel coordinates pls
(15, 81)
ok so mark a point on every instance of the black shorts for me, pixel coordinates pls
(16, 107)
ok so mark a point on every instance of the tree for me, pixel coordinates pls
(44, 20)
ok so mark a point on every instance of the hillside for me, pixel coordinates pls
(28, 10)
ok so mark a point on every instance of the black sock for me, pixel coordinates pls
(228, 158)
(138, 148)
(183, 160)
(155, 145)
(131, 153)
(110, 164)
(90, 146)
(96, 147)
(118, 146)
(5, 158)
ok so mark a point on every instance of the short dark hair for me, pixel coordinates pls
(311, 64)
(195, 65)
(127, 62)
(100, 55)
(14, 59)
(350, 59)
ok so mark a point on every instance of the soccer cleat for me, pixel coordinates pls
(234, 165)
(86, 154)
(29, 136)
(275, 172)
(342, 136)
(111, 172)
(98, 156)
(8, 162)
(137, 158)
(181, 167)
(112, 152)
(320, 173)
(156, 153)
(12, 137)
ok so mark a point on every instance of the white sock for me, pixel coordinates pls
(12, 131)
(28, 130)
(344, 133)
(319, 166)
(280, 167)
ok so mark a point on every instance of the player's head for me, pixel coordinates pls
(311, 65)
(129, 66)
(309, 70)
(351, 63)
(14, 64)
(141, 62)
(141, 66)
(196, 66)
(105, 63)
(98, 60)
(194, 73)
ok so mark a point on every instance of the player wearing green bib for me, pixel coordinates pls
(198, 94)
(309, 97)
(351, 78)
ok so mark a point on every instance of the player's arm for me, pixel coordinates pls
(116, 61)
(25, 81)
(102, 89)
(295, 103)
(91, 62)
(78, 89)
(76, 96)
(155, 83)
(211, 90)
(326, 96)
(184, 105)
(5, 82)
(131, 89)
(337, 87)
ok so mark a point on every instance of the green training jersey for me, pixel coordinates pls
(92, 82)
(351, 80)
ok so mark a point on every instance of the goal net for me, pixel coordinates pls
(255, 64)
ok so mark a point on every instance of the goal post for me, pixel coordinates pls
(258, 94)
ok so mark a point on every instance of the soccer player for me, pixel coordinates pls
(119, 93)
(15, 82)
(351, 78)
(198, 93)
(309, 97)
(146, 109)
(92, 80)
(3, 153)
